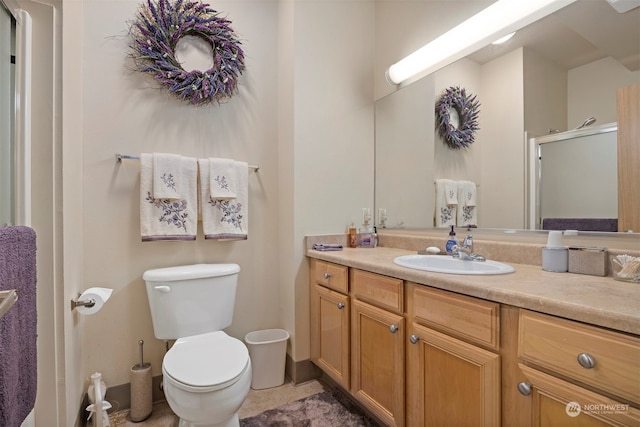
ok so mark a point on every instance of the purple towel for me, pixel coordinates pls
(18, 379)
(581, 224)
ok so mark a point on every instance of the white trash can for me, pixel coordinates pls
(268, 351)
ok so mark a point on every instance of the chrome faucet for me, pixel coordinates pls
(467, 243)
(465, 251)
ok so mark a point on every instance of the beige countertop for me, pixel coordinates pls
(600, 301)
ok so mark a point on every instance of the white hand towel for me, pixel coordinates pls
(223, 180)
(168, 219)
(467, 199)
(451, 192)
(446, 207)
(225, 219)
(166, 176)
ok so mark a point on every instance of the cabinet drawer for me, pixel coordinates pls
(382, 291)
(558, 345)
(471, 319)
(332, 276)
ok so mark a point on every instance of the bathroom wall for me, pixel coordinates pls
(304, 113)
(331, 175)
(590, 95)
(501, 193)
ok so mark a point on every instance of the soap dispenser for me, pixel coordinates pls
(366, 234)
(452, 241)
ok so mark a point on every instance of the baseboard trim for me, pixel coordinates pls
(301, 371)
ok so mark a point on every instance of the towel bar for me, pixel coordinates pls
(434, 183)
(121, 157)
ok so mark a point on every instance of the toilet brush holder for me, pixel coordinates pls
(141, 390)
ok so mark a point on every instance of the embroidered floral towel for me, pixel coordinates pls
(467, 211)
(225, 219)
(446, 202)
(223, 180)
(166, 218)
(166, 173)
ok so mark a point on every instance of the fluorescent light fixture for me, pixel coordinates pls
(623, 6)
(498, 20)
(504, 39)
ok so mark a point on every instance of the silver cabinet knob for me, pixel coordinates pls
(393, 329)
(340, 305)
(414, 339)
(524, 388)
(586, 361)
(326, 275)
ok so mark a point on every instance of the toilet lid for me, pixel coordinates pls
(212, 359)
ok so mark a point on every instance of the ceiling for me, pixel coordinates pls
(583, 32)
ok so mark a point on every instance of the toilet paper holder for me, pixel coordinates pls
(82, 303)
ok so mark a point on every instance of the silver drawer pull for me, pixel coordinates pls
(340, 305)
(393, 329)
(326, 276)
(414, 339)
(586, 361)
(524, 388)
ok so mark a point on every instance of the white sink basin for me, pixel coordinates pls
(448, 264)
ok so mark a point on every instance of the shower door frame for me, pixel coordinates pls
(21, 162)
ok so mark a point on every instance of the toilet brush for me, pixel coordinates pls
(141, 389)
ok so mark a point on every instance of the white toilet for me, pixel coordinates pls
(206, 373)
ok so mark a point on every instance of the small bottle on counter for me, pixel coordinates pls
(375, 237)
(365, 233)
(353, 235)
(452, 241)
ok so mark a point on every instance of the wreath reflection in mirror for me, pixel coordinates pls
(158, 27)
(455, 99)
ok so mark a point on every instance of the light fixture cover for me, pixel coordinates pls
(622, 6)
(498, 20)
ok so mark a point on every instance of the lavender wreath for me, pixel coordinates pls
(467, 108)
(158, 27)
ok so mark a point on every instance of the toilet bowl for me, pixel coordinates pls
(206, 378)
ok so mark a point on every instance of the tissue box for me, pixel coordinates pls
(589, 260)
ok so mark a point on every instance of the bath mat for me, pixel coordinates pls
(326, 409)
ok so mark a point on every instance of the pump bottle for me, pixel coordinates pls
(452, 241)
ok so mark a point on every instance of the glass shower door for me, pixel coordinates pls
(7, 115)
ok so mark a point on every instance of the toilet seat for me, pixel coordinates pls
(206, 362)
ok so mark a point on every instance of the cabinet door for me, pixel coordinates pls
(557, 403)
(450, 382)
(330, 333)
(378, 362)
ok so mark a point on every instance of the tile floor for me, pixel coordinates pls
(257, 401)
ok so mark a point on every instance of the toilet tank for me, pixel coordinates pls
(191, 299)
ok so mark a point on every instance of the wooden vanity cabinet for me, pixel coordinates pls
(577, 374)
(330, 316)
(417, 356)
(377, 345)
(453, 365)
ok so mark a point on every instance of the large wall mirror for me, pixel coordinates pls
(549, 78)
